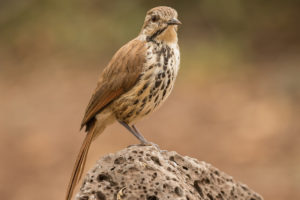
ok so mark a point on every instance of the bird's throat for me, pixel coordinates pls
(169, 35)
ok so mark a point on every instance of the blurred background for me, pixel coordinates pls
(235, 104)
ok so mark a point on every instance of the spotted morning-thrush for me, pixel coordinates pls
(137, 80)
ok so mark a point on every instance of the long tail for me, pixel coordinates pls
(80, 162)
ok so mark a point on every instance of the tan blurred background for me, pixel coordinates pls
(235, 104)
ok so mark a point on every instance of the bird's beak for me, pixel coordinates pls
(174, 21)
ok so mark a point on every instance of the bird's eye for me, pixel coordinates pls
(154, 18)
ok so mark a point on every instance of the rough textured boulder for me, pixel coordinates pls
(147, 173)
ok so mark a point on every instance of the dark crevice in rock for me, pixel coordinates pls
(152, 198)
(100, 196)
(155, 160)
(198, 188)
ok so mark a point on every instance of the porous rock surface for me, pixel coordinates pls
(147, 173)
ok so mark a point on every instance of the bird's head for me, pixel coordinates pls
(161, 25)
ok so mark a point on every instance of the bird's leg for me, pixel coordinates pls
(134, 131)
(148, 143)
(137, 132)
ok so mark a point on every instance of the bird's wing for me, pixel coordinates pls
(120, 75)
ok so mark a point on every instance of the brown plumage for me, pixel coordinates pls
(135, 82)
(118, 77)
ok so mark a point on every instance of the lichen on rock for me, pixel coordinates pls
(148, 173)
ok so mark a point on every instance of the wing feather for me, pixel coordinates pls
(120, 75)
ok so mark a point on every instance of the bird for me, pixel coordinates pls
(137, 80)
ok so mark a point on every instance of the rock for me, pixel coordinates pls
(147, 173)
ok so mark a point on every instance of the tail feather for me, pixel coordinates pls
(80, 162)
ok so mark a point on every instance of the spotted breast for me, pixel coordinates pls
(154, 85)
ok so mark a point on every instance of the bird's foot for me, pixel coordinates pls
(146, 143)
